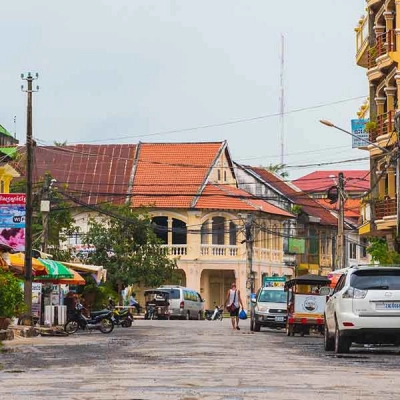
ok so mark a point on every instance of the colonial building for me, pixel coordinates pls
(191, 192)
(377, 50)
(356, 184)
(315, 226)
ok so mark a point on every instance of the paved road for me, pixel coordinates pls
(191, 360)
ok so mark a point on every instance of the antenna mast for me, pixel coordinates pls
(282, 101)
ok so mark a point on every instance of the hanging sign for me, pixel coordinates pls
(361, 137)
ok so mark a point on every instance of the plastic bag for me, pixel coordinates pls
(242, 315)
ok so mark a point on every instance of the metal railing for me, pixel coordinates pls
(386, 42)
(384, 124)
(385, 208)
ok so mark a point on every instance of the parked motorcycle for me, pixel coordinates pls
(99, 320)
(122, 317)
(216, 314)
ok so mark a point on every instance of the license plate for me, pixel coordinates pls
(279, 319)
(388, 305)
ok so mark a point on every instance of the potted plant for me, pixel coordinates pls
(11, 298)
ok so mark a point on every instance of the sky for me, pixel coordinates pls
(123, 71)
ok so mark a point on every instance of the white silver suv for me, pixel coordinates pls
(363, 308)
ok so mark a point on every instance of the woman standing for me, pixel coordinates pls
(234, 302)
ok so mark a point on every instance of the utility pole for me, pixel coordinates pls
(29, 200)
(340, 237)
(45, 210)
(249, 259)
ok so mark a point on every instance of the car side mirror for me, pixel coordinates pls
(253, 300)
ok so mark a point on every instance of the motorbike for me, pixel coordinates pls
(99, 320)
(122, 317)
(213, 315)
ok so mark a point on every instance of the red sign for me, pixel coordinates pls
(12, 198)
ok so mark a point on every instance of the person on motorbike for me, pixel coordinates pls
(134, 303)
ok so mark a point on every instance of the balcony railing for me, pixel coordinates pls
(385, 208)
(174, 249)
(384, 124)
(268, 255)
(386, 43)
(215, 250)
(361, 35)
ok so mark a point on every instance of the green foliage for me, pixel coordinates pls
(296, 209)
(370, 126)
(60, 219)
(60, 144)
(279, 169)
(127, 246)
(97, 296)
(379, 251)
(11, 295)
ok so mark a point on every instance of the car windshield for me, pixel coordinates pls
(272, 296)
(376, 280)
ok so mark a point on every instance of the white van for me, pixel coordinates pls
(184, 302)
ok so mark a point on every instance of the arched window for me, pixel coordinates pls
(179, 232)
(218, 230)
(232, 233)
(160, 226)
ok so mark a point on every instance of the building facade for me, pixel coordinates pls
(191, 192)
(377, 50)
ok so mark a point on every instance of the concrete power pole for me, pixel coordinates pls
(45, 209)
(249, 258)
(29, 201)
(340, 252)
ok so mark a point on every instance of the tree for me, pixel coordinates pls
(127, 246)
(11, 295)
(381, 253)
(279, 169)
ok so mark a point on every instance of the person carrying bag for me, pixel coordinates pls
(234, 302)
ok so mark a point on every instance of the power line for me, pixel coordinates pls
(227, 123)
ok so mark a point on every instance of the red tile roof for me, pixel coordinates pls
(351, 208)
(296, 196)
(92, 173)
(320, 181)
(226, 197)
(170, 175)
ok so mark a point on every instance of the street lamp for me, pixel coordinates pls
(331, 125)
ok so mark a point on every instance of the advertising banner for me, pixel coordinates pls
(36, 299)
(297, 246)
(358, 129)
(274, 281)
(12, 220)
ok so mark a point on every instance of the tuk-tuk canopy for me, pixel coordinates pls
(308, 279)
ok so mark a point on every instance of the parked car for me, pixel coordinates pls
(363, 308)
(185, 303)
(269, 308)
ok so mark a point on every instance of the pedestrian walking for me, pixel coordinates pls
(233, 303)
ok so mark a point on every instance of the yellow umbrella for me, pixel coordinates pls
(17, 261)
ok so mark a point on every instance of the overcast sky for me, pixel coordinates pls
(118, 71)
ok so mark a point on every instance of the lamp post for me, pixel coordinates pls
(332, 125)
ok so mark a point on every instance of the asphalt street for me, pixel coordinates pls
(191, 360)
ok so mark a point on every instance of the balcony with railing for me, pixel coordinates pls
(385, 208)
(385, 44)
(384, 125)
(362, 37)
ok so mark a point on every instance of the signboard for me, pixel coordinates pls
(36, 299)
(274, 281)
(358, 129)
(12, 220)
(297, 246)
(309, 304)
